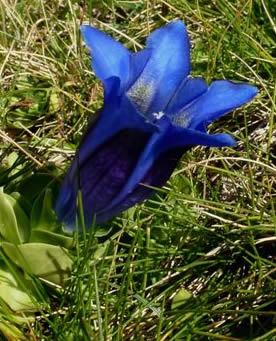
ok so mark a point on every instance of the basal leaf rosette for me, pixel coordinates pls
(32, 244)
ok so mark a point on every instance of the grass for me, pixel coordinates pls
(197, 260)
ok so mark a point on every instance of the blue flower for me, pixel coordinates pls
(153, 112)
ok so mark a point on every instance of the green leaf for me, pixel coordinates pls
(102, 231)
(33, 185)
(101, 250)
(11, 332)
(42, 236)
(22, 219)
(25, 107)
(23, 202)
(12, 157)
(50, 262)
(16, 291)
(43, 215)
(8, 222)
(54, 102)
(181, 298)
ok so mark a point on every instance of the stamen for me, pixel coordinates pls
(158, 115)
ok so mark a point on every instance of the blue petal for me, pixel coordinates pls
(156, 176)
(168, 65)
(118, 114)
(115, 177)
(109, 57)
(101, 176)
(65, 205)
(170, 139)
(221, 97)
(106, 158)
(183, 137)
(143, 165)
(189, 90)
(156, 164)
(138, 62)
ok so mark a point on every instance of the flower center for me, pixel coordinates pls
(158, 115)
(141, 94)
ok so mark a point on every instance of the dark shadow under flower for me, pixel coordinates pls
(153, 112)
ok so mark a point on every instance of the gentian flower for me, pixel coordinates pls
(153, 112)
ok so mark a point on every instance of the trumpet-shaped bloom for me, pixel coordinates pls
(153, 112)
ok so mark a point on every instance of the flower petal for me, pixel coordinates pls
(118, 114)
(101, 176)
(177, 137)
(138, 62)
(189, 90)
(109, 57)
(106, 158)
(156, 176)
(157, 163)
(168, 65)
(152, 151)
(221, 97)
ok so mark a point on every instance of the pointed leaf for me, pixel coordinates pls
(101, 250)
(43, 215)
(43, 236)
(8, 222)
(11, 332)
(50, 262)
(33, 185)
(19, 296)
(23, 202)
(181, 298)
(22, 219)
